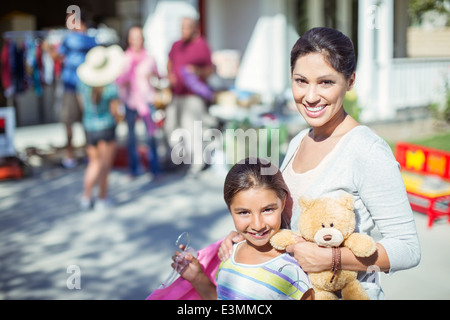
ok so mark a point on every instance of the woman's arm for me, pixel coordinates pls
(226, 247)
(313, 258)
(382, 191)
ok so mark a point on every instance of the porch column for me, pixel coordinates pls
(376, 40)
(385, 59)
(344, 16)
(315, 13)
(366, 83)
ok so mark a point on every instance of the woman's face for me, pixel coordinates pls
(256, 214)
(136, 39)
(318, 89)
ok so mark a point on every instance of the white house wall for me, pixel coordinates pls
(229, 23)
(260, 31)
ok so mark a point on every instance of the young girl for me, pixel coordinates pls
(98, 96)
(259, 206)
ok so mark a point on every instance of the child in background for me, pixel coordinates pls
(98, 96)
(255, 271)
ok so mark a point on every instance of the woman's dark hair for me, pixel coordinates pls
(249, 173)
(334, 45)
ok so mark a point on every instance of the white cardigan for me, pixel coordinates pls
(363, 165)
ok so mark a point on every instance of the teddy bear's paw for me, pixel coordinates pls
(361, 245)
(283, 238)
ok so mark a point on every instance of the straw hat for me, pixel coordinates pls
(102, 66)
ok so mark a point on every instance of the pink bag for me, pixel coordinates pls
(181, 289)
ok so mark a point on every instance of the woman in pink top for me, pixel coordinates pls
(139, 96)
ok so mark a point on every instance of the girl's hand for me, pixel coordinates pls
(310, 256)
(187, 266)
(226, 247)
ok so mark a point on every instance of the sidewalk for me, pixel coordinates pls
(125, 253)
(54, 135)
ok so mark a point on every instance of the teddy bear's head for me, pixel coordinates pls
(327, 221)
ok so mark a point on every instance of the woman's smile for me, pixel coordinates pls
(318, 89)
(315, 112)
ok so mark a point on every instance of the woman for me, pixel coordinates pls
(139, 96)
(99, 99)
(338, 154)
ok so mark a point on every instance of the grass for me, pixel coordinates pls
(441, 141)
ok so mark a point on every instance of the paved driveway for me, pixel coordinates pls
(121, 254)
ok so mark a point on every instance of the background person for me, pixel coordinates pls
(139, 97)
(98, 95)
(338, 154)
(190, 54)
(72, 52)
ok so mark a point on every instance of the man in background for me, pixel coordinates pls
(188, 56)
(72, 52)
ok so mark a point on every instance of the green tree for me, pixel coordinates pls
(417, 8)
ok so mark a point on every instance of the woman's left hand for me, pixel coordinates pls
(310, 256)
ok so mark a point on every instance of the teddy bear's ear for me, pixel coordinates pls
(305, 203)
(347, 201)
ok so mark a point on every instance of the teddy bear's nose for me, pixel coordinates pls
(327, 237)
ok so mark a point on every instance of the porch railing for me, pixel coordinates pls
(417, 82)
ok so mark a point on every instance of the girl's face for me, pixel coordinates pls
(256, 214)
(319, 89)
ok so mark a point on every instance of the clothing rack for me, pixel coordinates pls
(104, 35)
(36, 37)
(11, 35)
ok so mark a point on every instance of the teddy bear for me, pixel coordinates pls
(330, 222)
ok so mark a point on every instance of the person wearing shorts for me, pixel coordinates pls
(98, 96)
